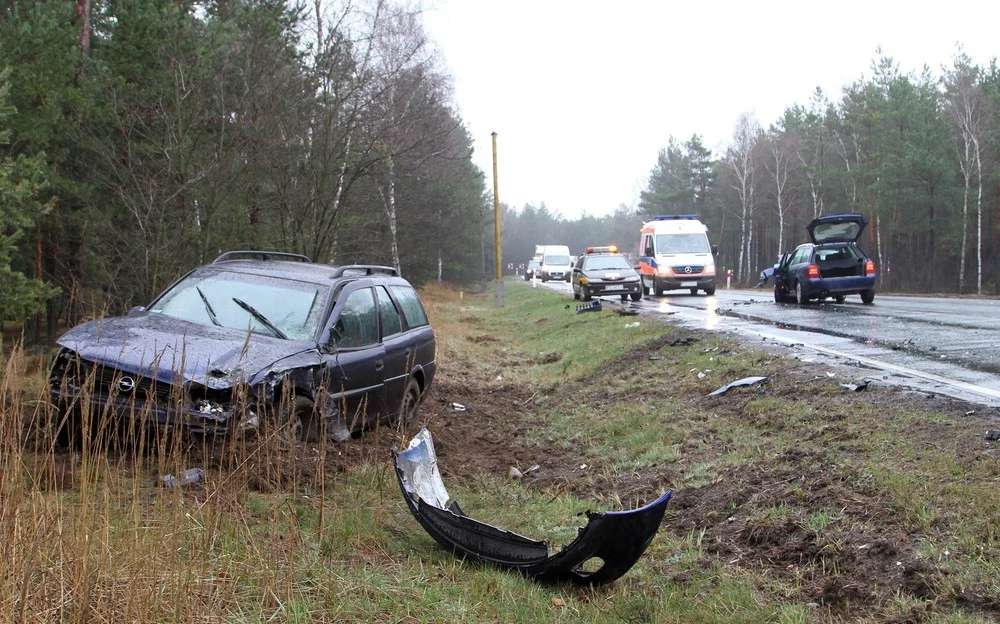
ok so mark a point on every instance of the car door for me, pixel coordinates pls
(356, 373)
(399, 352)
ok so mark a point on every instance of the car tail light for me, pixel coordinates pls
(812, 272)
(870, 268)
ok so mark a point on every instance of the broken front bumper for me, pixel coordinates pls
(609, 544)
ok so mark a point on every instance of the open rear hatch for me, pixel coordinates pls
(838, 228)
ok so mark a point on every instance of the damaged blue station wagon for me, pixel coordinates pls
(253, 340)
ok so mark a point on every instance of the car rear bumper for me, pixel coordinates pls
(827, 287)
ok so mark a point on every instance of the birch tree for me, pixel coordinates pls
(741, 159)
(966, 108)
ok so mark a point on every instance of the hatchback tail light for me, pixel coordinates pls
(870, 268)
(812, 272)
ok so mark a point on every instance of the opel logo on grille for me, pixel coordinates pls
(688, 269)
(126, 384)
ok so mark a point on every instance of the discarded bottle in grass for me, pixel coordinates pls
(191, 475)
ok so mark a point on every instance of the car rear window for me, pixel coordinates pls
(413, 310)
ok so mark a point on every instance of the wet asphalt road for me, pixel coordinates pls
(946, 345)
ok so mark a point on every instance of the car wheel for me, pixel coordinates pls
(800, 295)
(694, 291)
(624, 297)
(294, 422)
(867, 296)
(636, 296)
(710, 291)
(410, 405)
(584, 293)
(840, 298)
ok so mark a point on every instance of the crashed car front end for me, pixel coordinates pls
(156, 372)
(605, 549)
(104, 390)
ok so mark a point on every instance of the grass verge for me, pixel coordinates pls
(796, 501)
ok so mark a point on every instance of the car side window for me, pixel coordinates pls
(390, 315)
(357, 325)
(413, 310)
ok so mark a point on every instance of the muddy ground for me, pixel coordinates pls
(847, 579)
(842, 579)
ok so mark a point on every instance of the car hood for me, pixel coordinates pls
(839, 228)
(172, 350)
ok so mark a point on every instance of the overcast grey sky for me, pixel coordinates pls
(583, 94)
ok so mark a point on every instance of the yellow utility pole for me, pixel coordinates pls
(498, 285)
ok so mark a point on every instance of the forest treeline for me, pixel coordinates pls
(917, 154)
(140, 139)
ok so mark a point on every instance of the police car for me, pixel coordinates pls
(604, 271)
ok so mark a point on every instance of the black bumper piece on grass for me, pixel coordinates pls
(615, 540)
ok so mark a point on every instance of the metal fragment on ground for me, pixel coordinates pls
(746, 381)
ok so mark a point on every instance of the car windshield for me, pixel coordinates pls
(557, 260)
(283, 308)
(682, 243)
(606, 263)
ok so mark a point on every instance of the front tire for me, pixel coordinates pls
(840, 298)
(294, 422)
(636, 296)
(710, 290)
(868, 296)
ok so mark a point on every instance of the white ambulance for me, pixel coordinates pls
(674, 253)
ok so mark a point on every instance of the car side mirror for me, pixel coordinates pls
(136, 310)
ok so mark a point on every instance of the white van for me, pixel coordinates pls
(674, 253)
(556, 262)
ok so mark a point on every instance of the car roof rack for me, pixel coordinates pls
(364, 269)
(261, 255)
